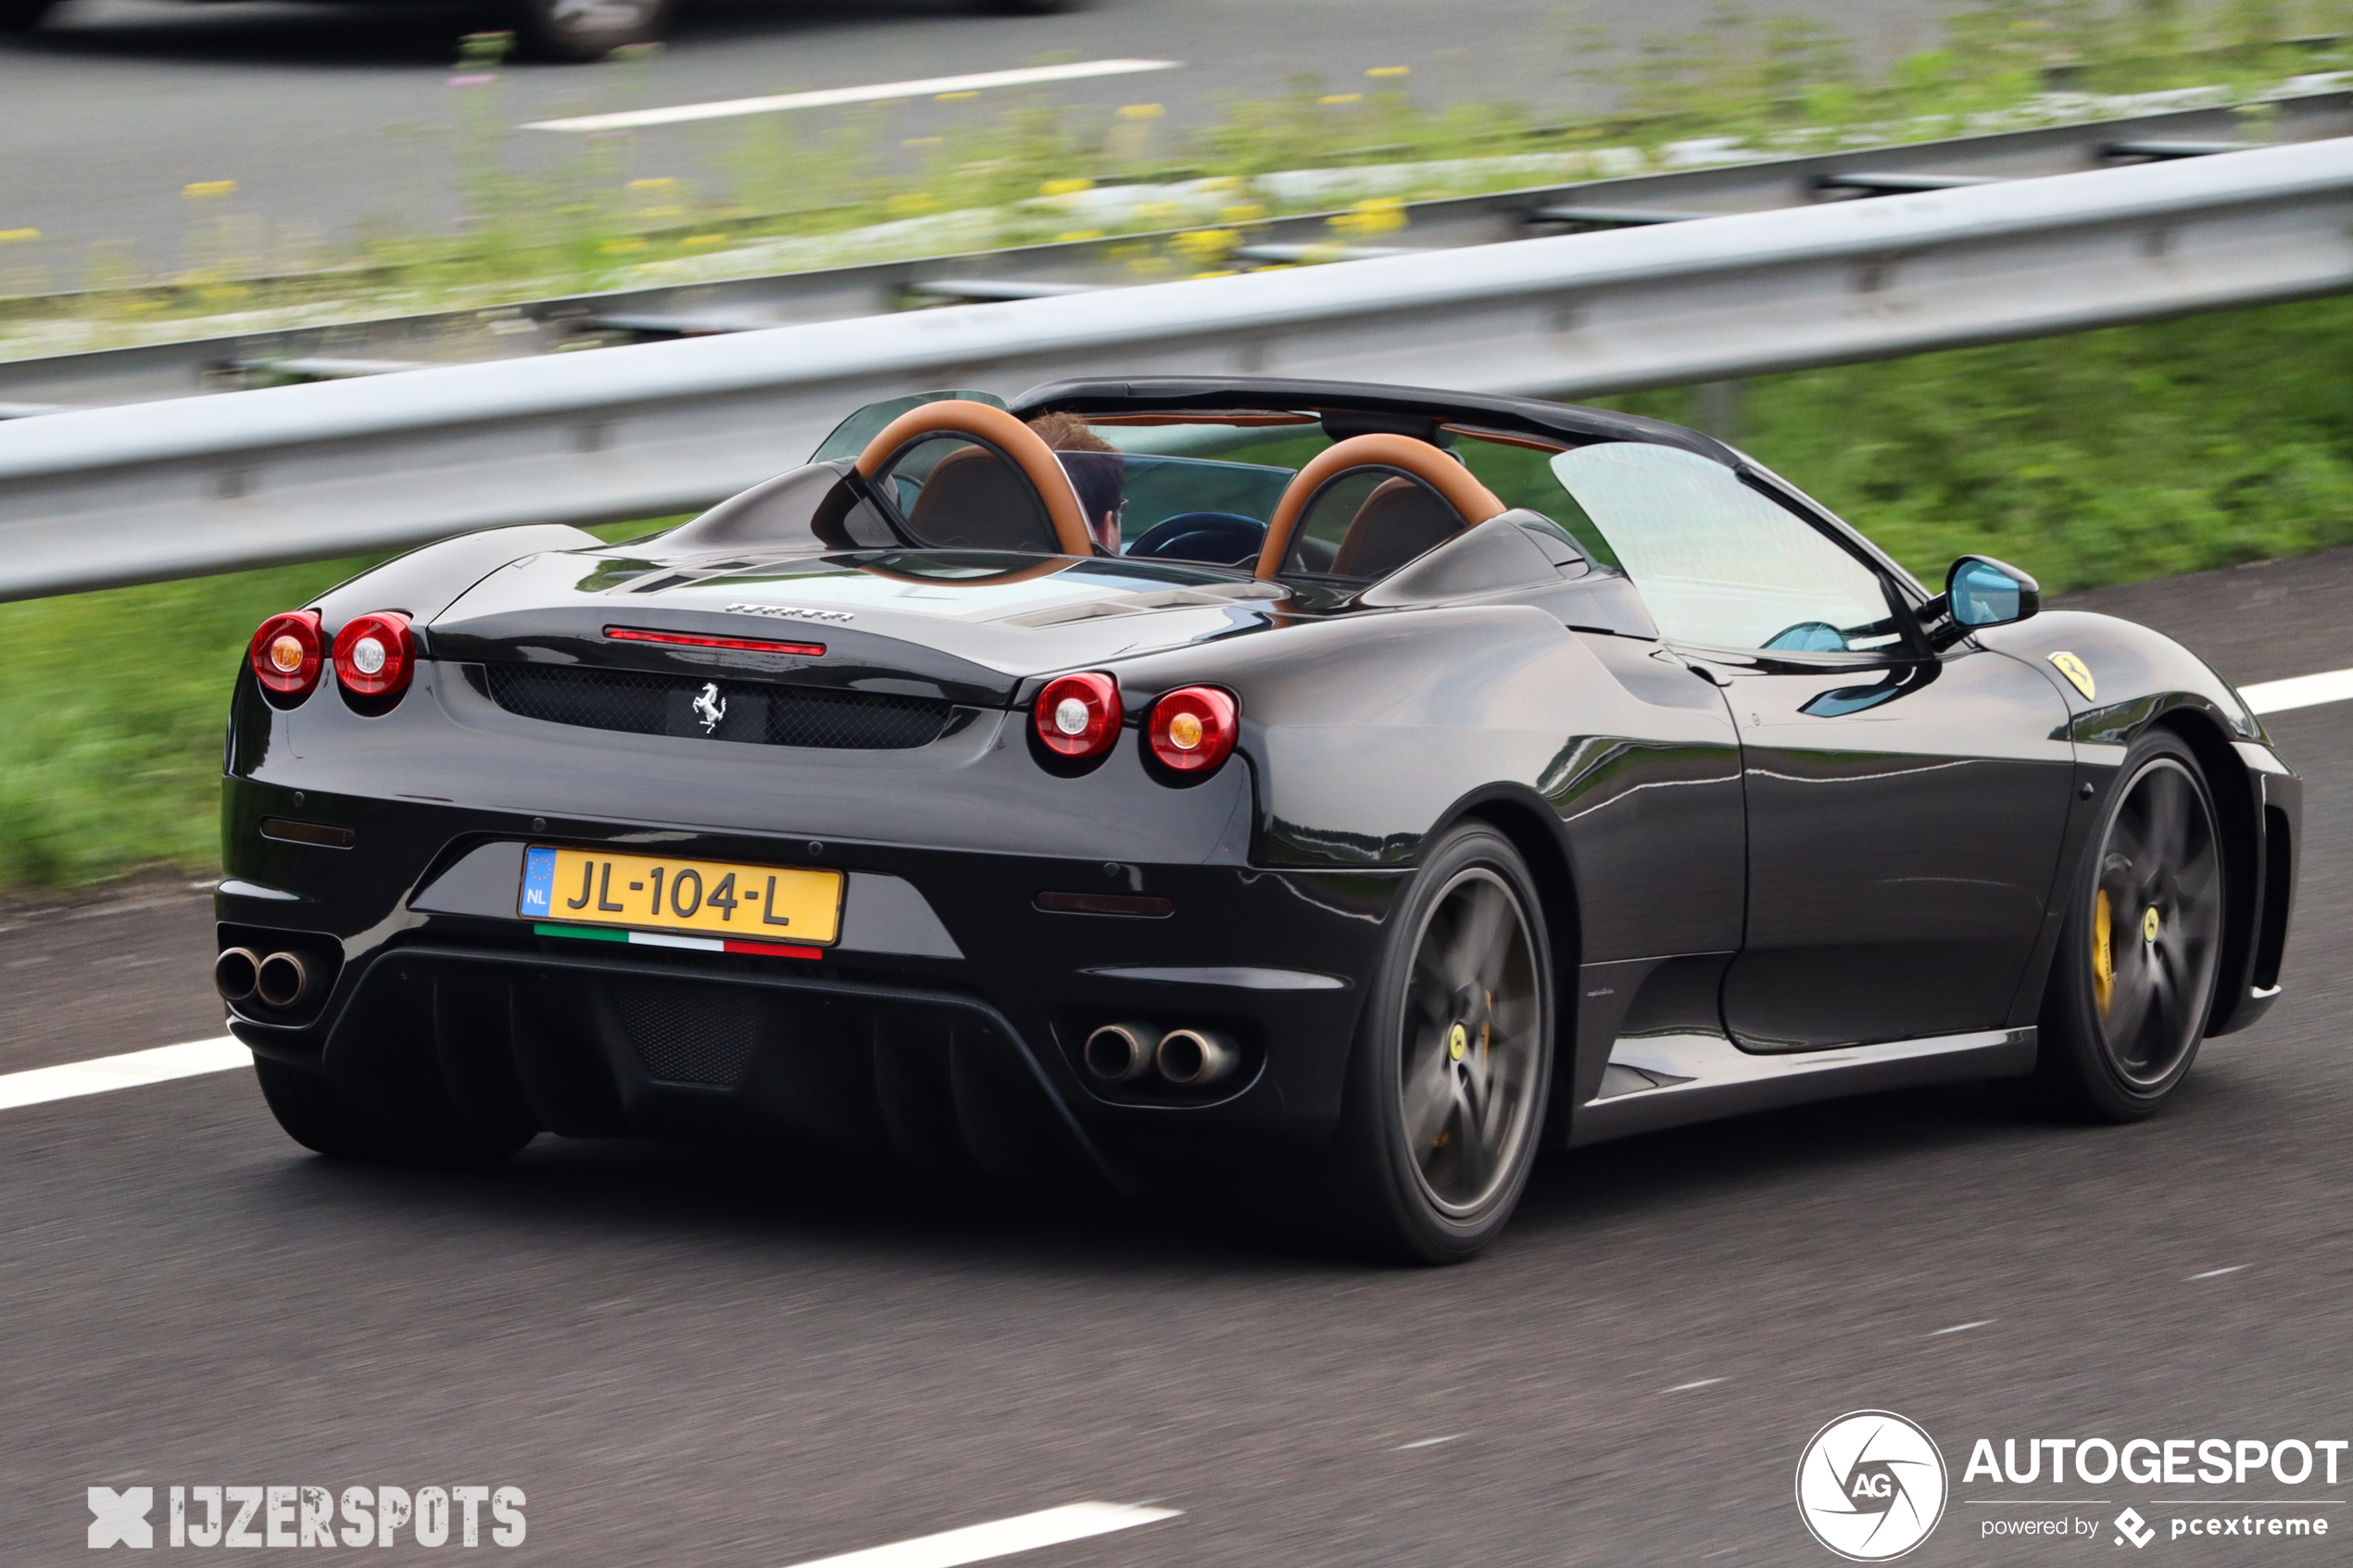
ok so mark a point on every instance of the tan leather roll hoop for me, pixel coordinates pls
(1009, 435)
(1453, 481)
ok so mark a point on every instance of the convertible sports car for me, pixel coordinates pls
(1365, 785)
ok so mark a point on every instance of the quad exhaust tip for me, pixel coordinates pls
(279, 981)
(234, 973)
(1195, 1057)
(1120, 1053)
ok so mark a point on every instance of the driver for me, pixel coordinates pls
(1096, 472)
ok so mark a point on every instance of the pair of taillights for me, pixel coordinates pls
(374, 655)
(1190, 731)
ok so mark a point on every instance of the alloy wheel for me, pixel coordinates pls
(2155, 926)
(1470, 1062)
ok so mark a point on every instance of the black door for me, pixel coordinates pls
(1903, 809)
(1904, 826)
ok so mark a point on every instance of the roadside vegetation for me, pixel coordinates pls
(540, 213)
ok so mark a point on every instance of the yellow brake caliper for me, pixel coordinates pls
(2103, 956)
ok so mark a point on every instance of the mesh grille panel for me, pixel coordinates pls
(647, 704)
(688, 1035)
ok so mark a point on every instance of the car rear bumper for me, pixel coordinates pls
(953, 1007)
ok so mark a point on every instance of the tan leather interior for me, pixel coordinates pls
(1397, 522)
(1009, 435)
(1404, 511)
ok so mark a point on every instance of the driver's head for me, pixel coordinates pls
(1096, 471)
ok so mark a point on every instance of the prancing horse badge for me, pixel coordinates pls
(2076, 671)
(712, 707)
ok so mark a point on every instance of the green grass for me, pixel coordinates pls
(2104, 457)
(542, 215)
(112, 707)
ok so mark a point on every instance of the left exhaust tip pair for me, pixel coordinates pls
(279, 981)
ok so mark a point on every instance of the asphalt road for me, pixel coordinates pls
(682, 1360)
(331, 117)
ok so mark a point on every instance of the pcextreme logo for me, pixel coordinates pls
(1871, 1486)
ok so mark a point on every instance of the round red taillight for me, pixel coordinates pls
(288, 652)
(1077, 715)
(1191, 729)
(375, 655)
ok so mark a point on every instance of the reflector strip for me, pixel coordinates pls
(664, 939)
(695, 640)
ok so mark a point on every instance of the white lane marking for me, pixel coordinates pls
(2299, 691)
(1029, 76)
(1687, 1387)
(38, 1086)
(1430, 1442)
(2218, 1274)
(1963, 1327)
(979, 1543)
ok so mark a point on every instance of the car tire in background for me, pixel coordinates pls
(574, 31)
(1444, 1106)
(23, 16)
(1032, 7)
(2132, 982)
(320, 1117)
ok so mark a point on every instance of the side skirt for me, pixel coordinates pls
(1670, 1080)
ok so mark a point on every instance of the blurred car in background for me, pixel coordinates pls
(565, 31)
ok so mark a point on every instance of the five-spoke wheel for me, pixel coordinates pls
(2133, 980)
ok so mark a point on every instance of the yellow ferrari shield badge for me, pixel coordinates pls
(2077, 671)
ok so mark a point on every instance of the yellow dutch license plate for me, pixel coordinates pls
(776, 904)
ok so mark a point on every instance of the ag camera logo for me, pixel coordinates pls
(1871, 1486)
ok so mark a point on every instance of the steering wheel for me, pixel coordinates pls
(1471, 500)
(995, 428)
(1214, 538)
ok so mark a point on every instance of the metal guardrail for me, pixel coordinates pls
(270, 358)
(154, 491)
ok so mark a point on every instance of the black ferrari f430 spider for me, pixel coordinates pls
(1160, 775)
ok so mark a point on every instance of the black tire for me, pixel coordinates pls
(577, 32)
(2132, 982)
(1445, 1102)
(320, 1117)
(1032, 7)
(23, 16)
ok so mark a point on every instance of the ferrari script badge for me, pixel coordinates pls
(2077, 671)
(711, 707)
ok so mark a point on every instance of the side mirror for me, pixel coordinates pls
(1980, 591)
